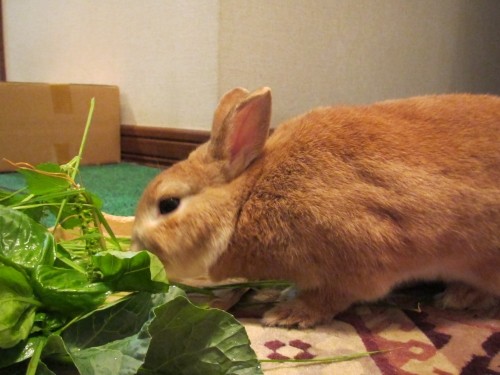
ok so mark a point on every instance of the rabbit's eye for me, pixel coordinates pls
(168, 205)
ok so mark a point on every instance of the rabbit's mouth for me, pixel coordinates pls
(139, 245)
(136, 243)
(176, 265)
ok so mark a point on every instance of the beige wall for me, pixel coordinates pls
(358, 51)
(173, 59)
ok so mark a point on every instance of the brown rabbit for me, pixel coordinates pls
(347, 202)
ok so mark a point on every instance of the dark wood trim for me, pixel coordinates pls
(159, 146)
(3, 74)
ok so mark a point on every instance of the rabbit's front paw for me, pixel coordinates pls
(294, 313)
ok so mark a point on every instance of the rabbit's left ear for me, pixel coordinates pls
(242, 135)
(228, 101)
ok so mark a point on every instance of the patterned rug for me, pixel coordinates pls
(423, 341)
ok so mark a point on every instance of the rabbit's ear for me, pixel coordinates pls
(228, 101)
(242, 135)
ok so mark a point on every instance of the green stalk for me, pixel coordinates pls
(106, 226)
(57, 195)
(35, 358)
(95, 219)
(77, 168)
(327, 360)
(11, 194)
(84, 138)
(79, 156)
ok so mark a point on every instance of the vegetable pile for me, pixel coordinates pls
(85, 305)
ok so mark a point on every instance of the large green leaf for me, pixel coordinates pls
(178, 338)
(17, 306)
(24, 241)
(115, 358)
(105, 325)
(67, 290)
(111, 340)
(131, 271)
(186, 339)
(115, 340)
(57, 356)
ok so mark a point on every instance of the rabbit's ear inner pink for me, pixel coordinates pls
(241, 137)
(228, 101)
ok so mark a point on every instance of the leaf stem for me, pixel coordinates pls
(84, 138)
(35, 359)
(251, 284)
(319, 361)
(76, 167)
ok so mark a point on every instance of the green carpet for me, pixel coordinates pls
(118, 185)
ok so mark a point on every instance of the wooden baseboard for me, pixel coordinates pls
(159, 146)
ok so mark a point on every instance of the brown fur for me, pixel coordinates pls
(347, 202)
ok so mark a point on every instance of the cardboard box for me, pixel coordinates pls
(45, 123)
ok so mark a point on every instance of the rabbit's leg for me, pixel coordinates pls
(461, 297)
(309, 308)
(481, 292)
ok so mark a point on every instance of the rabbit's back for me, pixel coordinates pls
(457, 136)
(402, 185)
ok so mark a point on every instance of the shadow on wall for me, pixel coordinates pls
(478, 50)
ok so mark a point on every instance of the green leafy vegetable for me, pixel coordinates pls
(24, 241)
(47, 178)
(115, 336)
(67, 290)
(213, 342)
(17, 306)
(131, 271)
